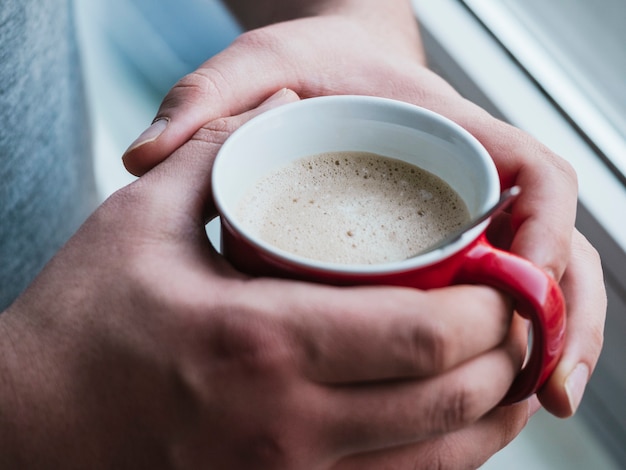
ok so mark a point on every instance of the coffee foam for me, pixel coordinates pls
(352, 208)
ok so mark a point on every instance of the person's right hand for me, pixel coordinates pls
(373, 48)
(138, 346)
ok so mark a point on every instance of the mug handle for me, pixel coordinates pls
(538, 298)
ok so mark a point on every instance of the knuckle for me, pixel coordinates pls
(253, 346)
(215, 131)
(200, 86)
(456, 407)
(561, 166)
(265, 451)
(562, 239)
(531, 151)
(585, 250)
(566, 169)
(428, 348)
(488, 298)
(276, 445)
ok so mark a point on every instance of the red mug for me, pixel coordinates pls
(415, 135)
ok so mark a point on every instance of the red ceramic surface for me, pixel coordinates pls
(537, 296)
(419, 137)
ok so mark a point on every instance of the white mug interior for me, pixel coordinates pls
(355, 123)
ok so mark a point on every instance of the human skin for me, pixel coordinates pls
(138, 346)
(373, 48)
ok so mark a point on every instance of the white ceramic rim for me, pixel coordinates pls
(408, 264)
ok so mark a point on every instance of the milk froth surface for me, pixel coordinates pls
(352, 208)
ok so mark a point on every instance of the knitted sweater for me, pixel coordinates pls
(47, 186)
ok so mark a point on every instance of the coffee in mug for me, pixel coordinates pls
(352, 208)
(368, 128)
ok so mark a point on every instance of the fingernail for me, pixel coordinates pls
(575, 385)
(551, 272)
(275, 97)
(150, 134)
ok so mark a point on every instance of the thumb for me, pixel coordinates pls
(586, 296)
(183, 179)
(200, 97)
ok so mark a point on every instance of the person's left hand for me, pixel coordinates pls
(340, 55)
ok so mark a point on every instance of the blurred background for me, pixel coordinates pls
(133, 52)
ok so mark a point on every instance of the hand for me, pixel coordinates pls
(342, 53)
(138, 346)
(332, 54)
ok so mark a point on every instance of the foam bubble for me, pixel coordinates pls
(352, 208)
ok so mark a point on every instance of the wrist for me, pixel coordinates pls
(9, 395)
(392, 21)
(34, 415)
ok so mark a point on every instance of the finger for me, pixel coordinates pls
(181, 185)
(221, 87)
(260, 62)
(374, 416)
(347, 335)
(543, 215)
(467, 448)
(584, 290)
